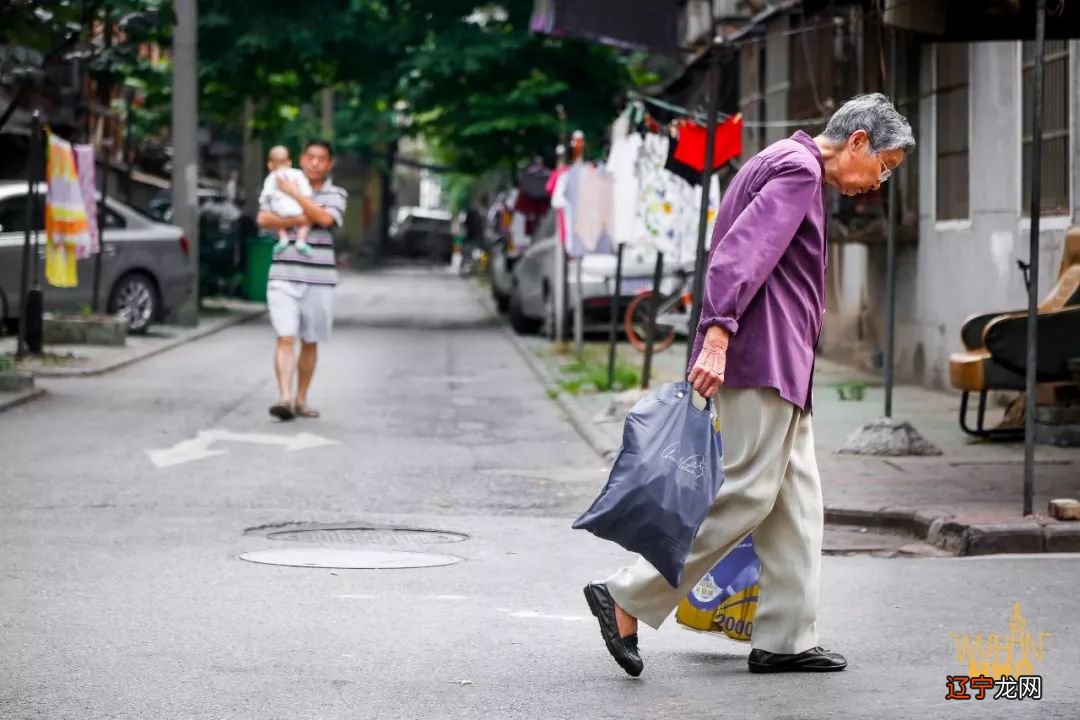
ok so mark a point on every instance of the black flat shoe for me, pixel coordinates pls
(813, 660)
(623, 649)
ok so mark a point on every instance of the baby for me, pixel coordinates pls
(278, 202)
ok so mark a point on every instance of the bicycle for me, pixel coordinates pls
(671, 309)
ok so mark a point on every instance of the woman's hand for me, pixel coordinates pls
(708, 373)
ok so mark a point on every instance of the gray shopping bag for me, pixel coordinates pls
(665, 478)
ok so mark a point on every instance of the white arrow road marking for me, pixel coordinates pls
(199, 447)
(183, 452)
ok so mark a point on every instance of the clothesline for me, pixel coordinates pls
(724, 116)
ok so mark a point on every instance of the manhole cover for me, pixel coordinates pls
(367, 536)
(342, 559)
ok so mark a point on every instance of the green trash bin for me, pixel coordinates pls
(259, 253)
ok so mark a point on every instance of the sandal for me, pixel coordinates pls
(282, 411)
(305, 412)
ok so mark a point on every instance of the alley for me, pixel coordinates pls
(123, 593)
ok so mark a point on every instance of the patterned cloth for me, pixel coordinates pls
(67, 229)
(669, 208)
(84, 164)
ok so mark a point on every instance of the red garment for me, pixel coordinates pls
(693, 137)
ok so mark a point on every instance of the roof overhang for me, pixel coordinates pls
(992, 20)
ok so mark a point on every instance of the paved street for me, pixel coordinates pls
(123, 595)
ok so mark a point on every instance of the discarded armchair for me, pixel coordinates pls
(995, 355)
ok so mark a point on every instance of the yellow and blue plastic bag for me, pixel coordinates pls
(725, 600)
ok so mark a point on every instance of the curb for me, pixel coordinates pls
(240, 317)
(584, 426)
(1028, 535)
(19, 399)
(1014, 536)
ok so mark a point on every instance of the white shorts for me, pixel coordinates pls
(301, 310)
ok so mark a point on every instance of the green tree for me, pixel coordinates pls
(486, 90)
(466, 74)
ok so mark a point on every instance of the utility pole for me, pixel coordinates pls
(327, 112)
(185, 126)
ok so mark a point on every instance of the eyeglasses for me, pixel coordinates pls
(886, 171)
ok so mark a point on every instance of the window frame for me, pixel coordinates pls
(965, 221)
(1062, 220)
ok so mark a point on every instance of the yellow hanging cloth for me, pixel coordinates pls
(67, 228)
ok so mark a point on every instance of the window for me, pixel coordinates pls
(1055, 143)
(13, 214)
(951, 89)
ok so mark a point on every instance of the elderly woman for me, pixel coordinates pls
(754, 353)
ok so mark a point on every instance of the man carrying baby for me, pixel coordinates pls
(274, 199)
(300, 292)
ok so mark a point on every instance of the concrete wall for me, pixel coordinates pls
(958, 268)
(967, 267)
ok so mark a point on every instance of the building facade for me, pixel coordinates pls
(964, 193)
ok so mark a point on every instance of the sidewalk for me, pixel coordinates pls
(90, 360)
(968, 500)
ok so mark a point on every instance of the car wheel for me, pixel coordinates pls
(135, 298)
(522, 324)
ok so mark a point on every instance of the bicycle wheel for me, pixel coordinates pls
(636, 323)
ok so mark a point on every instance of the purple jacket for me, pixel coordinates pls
(766, 274)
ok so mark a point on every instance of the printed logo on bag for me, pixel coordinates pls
(693, 465)
(706, 590)
(1007, 664)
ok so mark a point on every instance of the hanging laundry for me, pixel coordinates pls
(631, 24)
(622, 164)
(688, 220)
(565, 200)
(67, 229)
(687, 173)
(556, 190)
(84, 165)
(593, 202)
(669, 207)
(654, 223)
(691, 146)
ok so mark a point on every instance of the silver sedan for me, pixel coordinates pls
(146, 272)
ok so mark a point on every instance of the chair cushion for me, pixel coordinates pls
(975, 371)
(967, 370)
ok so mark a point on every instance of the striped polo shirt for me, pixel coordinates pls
(320, 268)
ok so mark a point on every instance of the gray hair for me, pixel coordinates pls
(887, 128)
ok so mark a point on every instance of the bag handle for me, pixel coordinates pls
(688, 390)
